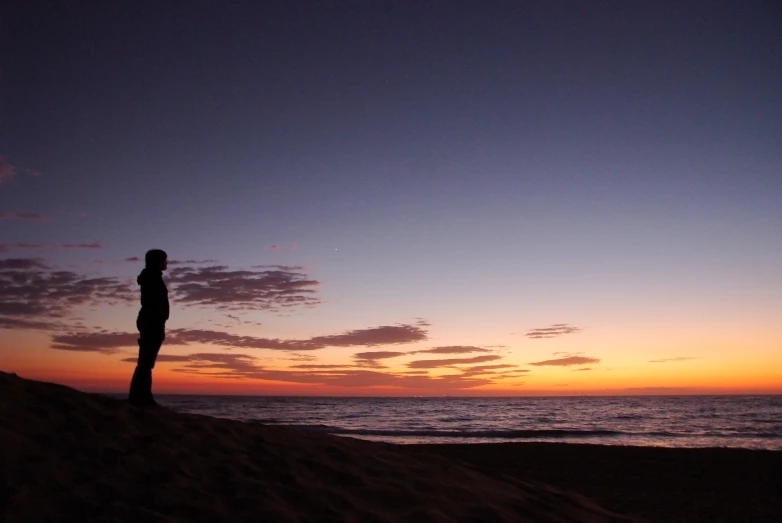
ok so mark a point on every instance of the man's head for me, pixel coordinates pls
(156, 259)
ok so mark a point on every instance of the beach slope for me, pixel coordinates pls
(71, 456)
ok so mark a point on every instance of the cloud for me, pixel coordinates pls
(139, 259)
(220, 364)
(345, 377)
(101, 340)
(319, 366)
(7, 171)
(385, 335)
(93, 245)
(580, 370)
(302, 357)
(287, 247)
(431, 364)
(371, 359)
(680, 358)
(491, 370)
(513, 373)
(378, 355)
(21, 323)
(564, 362)
(36, 293)
(268, 289)
(31, 216)
(178, 262)
(225, 339)
(23, 264)
(453, 349)
(557, 329)
(167, 358)
(244, 366)
(493, 367)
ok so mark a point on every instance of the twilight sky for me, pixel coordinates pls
(396, 197)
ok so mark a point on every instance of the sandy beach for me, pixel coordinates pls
(655, 484)
(71, 456)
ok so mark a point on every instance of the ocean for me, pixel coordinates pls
(753, 422)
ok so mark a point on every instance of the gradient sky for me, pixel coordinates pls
(396, 197)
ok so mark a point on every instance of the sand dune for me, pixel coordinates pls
(71, 456)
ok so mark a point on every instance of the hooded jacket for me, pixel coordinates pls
(154, 296)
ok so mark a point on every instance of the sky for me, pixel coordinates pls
(403, 198)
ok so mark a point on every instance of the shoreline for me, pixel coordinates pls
(563, 441)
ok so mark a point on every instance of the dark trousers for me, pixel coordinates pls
(151, 336)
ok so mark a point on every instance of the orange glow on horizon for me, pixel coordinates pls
(718, 369)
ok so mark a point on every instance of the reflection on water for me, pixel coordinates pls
(686, 421)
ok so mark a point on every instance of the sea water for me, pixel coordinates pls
(753, 422)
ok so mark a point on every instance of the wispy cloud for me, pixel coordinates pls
(8, 171)
(138, 259)
(377, 355)
(21, 323)
(104, 342)
(302, 357)
(179, 262)
(268, 289)
(565, 362)
(30, 216)
(432, 364)
(39, 294)
(385, 335)
(493, 370)
(93, 245)
(220, 364)
(372, 359)
(557, 329)
(679, 358)
(246, 366)
(478, 368)
(22, 264)
(284, 247)
(338, 377)
(320, 366)
(453, 349)
(100, 341)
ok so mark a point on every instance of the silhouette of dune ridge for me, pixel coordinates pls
(72, 456)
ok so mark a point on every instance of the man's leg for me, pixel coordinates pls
(149, 343)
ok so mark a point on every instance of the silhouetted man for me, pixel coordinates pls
(151, 323)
